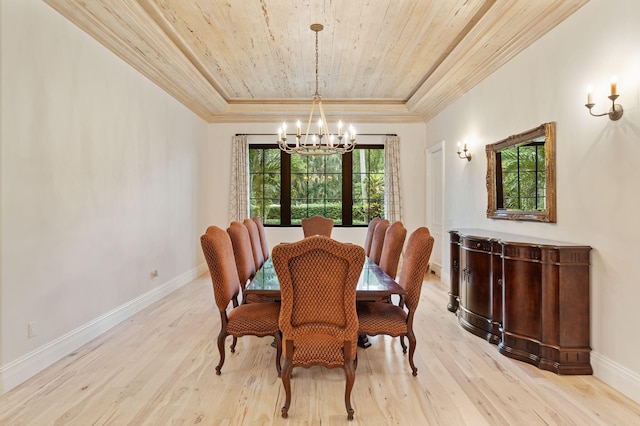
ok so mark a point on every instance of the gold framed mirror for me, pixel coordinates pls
(521, 176)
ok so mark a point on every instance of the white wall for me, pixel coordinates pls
(412, 163)
(597, 170)
(101, 182)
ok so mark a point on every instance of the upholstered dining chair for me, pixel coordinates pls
(377, 243)
(392, 248)
(386, 318)
(318, 278)
(242, 252)
(254, 235)
(317, 225)
(245, 263)
(255, 319)
(369, 238)
(263, 237)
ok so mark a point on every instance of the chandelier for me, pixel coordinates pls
(323, 142)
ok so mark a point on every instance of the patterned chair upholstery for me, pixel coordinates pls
(392, 248)
(370, 229)
(387, 318)
(254, 235)
(317, 225)
(245, 263)
(377, 243)
(318, 278)
(255, 319)
(242, 252)
(263, 237)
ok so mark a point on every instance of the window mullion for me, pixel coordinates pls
(347, 189)
(285, 188)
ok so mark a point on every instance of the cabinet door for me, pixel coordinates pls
(521, 302)
(476, 273)
(475, 313)
(522, 298)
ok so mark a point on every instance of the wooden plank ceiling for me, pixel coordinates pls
(254, 60)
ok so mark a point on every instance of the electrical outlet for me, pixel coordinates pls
(154, 274)
(31, 329)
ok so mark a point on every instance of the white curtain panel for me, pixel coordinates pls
(239, 196)
(392, 200)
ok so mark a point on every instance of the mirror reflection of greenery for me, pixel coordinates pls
(524, 176)
(316, 185)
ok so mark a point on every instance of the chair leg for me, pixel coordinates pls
(412, 349)
(278, 340)
(221, 338)
(350, 370)
(286, 378)
(233, 344)
(404, 347)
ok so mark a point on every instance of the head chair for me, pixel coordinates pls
(317, 225)
(318, 278)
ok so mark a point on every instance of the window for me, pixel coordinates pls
(284, 188)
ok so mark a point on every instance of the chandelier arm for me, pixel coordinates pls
(325, 128)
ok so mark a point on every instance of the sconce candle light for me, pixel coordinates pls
(616, 110)
(464, 153)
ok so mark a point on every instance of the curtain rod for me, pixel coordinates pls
(275, 134)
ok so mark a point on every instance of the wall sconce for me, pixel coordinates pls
(464, 153)
(616, 110)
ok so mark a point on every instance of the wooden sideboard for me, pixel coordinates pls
(527, 295)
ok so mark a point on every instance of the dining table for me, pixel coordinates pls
(373, 284)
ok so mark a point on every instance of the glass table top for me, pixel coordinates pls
(372, 281)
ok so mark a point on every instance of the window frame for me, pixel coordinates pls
(285, 185)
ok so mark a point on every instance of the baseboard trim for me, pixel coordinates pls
(25, 367)
(616, 376)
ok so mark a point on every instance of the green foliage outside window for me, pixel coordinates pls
(316, 186)
(265, 184)
(368, 185)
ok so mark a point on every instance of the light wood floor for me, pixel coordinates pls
(157, 368)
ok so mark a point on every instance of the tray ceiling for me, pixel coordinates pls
(254, 61)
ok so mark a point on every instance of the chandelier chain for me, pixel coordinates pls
(317, 94)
